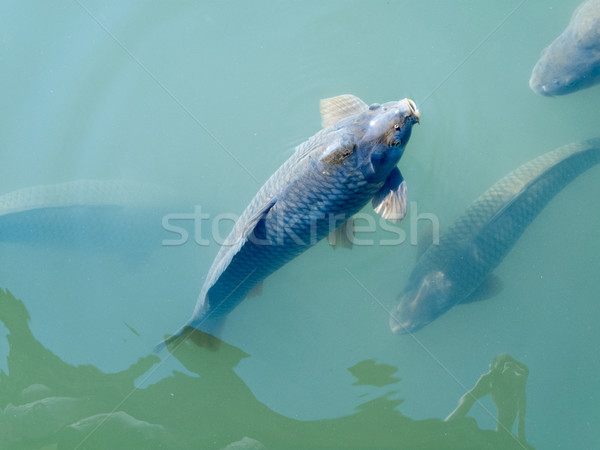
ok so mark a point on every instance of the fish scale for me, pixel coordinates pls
(477, 242)
(298, 213)
(110, 214)
(327, 179)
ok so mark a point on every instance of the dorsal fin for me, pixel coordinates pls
(337, 108)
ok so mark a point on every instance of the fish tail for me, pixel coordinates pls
(171, 340)
(203, 334)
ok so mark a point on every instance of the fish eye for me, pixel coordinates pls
(396, 126)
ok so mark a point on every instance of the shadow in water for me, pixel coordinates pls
(47, 403)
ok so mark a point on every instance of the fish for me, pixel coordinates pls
(572, 61)
(114, 215)
(458, 269)
(331, 176)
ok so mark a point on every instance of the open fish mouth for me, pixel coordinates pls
(413, 110)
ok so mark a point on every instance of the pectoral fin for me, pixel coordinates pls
(334, 109)
(390, 202)
(256, 290)
(342, 236)
(490, 287)
(255, 228)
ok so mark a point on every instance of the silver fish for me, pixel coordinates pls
(572, 61)
(87, 214)
(330, 177)
(451, 272)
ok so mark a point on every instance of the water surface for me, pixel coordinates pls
(208, 99)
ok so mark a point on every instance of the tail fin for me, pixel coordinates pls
(206, 337)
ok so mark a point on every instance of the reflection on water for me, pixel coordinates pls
(155, 93)
(505, 382)
(370, 373)
(46, 402)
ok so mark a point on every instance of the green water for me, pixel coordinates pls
(208, 99)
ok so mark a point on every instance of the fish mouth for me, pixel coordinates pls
(401, 322)
(402, 327)
(542, 89)
(545, 91)
(399, 328)
(413, 110)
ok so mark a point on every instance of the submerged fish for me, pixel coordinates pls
(109, 214)
(329, 178)
(456, 270)
(572, 61)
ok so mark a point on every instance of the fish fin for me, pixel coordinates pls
(191, 334)
(334, 109)
(490, 287)
(169, 341)
(390, 201)
(256, 290)
(256, 224)
(204, 339)
(343, 235)
(205, 334)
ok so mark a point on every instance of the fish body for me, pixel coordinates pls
(330, 177)
(477, 242)
(572, 61)
(110, 214)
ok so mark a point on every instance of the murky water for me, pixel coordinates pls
(204, 100)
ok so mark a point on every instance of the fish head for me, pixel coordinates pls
(385, 131)
(564, 71)
(572, 61)
(421, 303)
